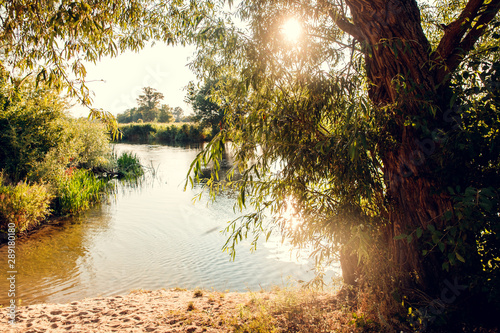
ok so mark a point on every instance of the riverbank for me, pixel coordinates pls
(169, 133)
(180, 310)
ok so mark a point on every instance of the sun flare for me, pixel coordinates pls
(292, 30)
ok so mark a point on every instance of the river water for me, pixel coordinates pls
(149, 235)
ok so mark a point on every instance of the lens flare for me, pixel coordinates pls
(292, 30)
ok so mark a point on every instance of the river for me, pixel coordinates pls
(149, 235)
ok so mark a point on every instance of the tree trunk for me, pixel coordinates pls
(397, 56)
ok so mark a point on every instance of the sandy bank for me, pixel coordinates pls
(141, 311)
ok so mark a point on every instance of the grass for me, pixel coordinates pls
(297, 310)
(78, 191)
(191, 307)
(281, 310)
(129, 166)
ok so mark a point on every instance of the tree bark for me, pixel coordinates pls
(398, 66)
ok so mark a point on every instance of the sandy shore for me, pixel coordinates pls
(142, 311)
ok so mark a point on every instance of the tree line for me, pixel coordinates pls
(150, 109)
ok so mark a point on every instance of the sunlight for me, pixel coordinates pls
(290, 214)
(292, 30)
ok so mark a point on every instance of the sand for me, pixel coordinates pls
(172, 310)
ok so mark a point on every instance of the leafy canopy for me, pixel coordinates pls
(52, 40)
(312, 123)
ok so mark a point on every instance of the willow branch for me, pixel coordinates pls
(460, 36)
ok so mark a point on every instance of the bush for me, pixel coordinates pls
(83, 144)
(137, 132)
(41, 148)
(29, 126)
(163, 133)
(23, 204)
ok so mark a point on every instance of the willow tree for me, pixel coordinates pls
(378, 127)
(53, 40)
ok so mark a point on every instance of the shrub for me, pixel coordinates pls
(137, 132)
(92, 143)
(163, 133)
(29, 126)
(83, 144)
(23, 204)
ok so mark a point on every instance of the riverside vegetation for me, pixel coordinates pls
(386, 114)
(51, 165)
(164, 133)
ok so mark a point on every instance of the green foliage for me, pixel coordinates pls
(30, 126)
(53, 39)
(25, 205)
(42, 150)
(83, 144)
(322, 133)
(129, 166)
(137, 132)
(165, 114)
(178, 112)
(206, 110)
(153, 132)
(148, 110)
(77, 191)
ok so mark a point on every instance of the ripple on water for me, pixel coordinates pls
(149, 236)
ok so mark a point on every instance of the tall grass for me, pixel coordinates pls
(129, 166)
(78, 191)
(301, 311)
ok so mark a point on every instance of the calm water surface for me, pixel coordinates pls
(148, 236)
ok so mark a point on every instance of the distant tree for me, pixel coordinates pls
(188, 119)
(125, 117)
(206, 110)
(149, 103)
(165, 114)
(178, 113)
(151, 98)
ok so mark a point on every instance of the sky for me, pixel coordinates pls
(117, 82)
(161, 67)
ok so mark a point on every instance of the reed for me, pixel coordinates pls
(129, 166)
(78, 191)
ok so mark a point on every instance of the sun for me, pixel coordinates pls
(292, 30)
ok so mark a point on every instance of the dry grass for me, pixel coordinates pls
(299, 310)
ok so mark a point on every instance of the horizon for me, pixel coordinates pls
(117, 82)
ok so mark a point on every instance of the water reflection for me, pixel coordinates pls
(149, 235)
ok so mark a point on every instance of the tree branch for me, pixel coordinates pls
(475, 33)
(454, 46)
(345, 25)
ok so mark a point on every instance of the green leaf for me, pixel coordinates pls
(441, 246)
(459, 257)
(419, 232)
